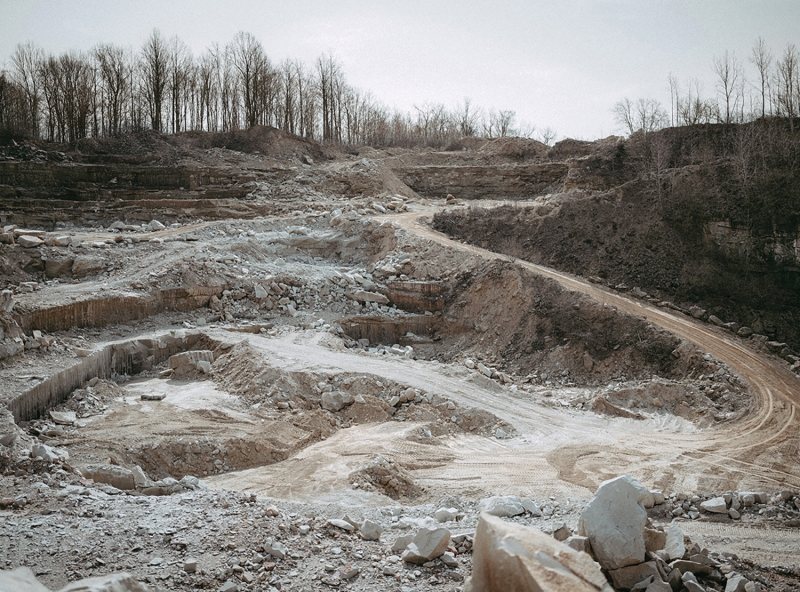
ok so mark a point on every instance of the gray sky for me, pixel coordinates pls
(557, 63)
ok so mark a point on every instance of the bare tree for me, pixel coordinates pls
(646, 115)
(26, 60)
(761, 57)
(673, 98)
(115, 83)
(155, 68)
(788, 83)
(547, 136)
(729, 71)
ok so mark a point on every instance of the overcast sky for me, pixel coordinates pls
(557, 63)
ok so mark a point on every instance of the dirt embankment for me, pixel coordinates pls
(523, 322)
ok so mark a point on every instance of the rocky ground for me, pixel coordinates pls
(266, 377)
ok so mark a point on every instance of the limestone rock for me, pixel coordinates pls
(736, 583)
(428, 544)
(20, 580)
(628, 577)
(579, 543)
(63, 417)
(29, 242)
(335, 400)
(614, 520)
(505, 506)
(155, 225)
(674, 545)
(343, 524)
(113, 475)
(370, 531)
(715, 505)
(530, 507)
(654, 540)
(446, 514)
(364, 296)
(508, 556)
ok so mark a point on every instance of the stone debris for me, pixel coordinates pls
(187, 363)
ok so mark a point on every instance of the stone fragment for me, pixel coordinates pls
(428, 544)
(627, 577)
(275, 548)
(734, 514)
(505, 506)
(155, 225)
(674, 545)
(343, 524)
(508, 556)
(614, 521)
(229, 586)
(186, 362)
(335, 400)
(45, 452)
(736, 583)
(715, 505)
(715, 320)
(530, 507)
(744, 332)
(370, 531)
(697, 312)
(29, 242)
(446, 514)
(449, 559)
(365, 296)
(54, 268)
(562, 533)
(690, 583)
(698, 569)
(260, 292)
(63, 417)
(190, 565)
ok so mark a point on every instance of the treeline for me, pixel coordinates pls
(761, 86)
(111, 90)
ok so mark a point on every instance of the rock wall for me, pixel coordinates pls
(484, 181)
(120, 358)
(739, 242)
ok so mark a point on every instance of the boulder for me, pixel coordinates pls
(260, 292)
(428, 544)
(119, 582)
(87, 265)
(744, 332)
(530, 507)
(715, 505)
(155, 225)
(508, 556)
(697, 312)
(343, 524)
(614, 520)
(736, 583)
(505, 506)
(579, 543)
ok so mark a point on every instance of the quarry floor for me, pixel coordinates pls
(550, 449)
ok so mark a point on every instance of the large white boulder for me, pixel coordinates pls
(20, 580)
(508, 556)
(614, 520)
